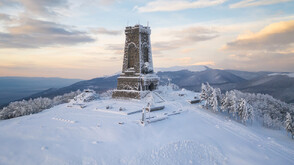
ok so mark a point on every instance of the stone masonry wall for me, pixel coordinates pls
(132, 37)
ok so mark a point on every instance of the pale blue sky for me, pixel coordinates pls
(117, 14)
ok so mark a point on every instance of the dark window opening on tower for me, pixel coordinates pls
(146, 54)
(131, 55)
(151, 87)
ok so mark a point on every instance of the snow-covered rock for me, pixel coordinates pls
(86, 96)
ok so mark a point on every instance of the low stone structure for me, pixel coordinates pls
(137, 75)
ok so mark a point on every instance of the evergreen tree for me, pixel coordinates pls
(288, 123)
(203, 94)
(243, 111)
(250, 112)
(267, 120)
(233, 104)
(225, 102)
(21, 108)
(206, 94)
(216, 99)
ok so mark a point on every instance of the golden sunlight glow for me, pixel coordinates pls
(211, 63)
(279, 27)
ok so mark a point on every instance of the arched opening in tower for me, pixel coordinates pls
(131, 55)
(151, 87)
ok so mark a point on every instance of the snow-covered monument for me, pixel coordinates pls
(137, 76)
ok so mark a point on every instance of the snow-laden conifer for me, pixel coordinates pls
(288, 123)
(31, 106)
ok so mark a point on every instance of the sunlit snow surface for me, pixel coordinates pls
(192, 68)
(74, 135)
(285, 74)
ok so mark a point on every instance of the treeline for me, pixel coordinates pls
(247, 107)
(27, 107)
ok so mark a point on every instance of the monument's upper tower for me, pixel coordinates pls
(137, 53)
(137, 71)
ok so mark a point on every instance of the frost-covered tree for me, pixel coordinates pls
(242, 110)
(107, 94)
(230, 103)
(250, 113)
(247, 106)
(215, 106)
(234, 104)
(270, 121)
(26, 107)
(288, 123)
(267, 120)
(225, 102)
(206, 95)
(216, 99)
(245, 111)
(20, 108)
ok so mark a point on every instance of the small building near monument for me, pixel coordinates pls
(137, 76)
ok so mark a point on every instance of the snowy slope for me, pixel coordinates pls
(91, 135)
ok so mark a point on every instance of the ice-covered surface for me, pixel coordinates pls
(286, 74)
(70, 135)
(192, 68)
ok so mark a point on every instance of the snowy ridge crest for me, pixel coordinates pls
(192, 68)
(291, 75)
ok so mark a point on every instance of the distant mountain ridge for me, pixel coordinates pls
(15, 88)
(279, 86)
(98, 84)
(193, 80)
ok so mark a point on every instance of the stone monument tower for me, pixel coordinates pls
(137, 76)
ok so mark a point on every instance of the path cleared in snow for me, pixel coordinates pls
(72, 135)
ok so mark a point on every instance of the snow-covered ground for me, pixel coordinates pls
(100, 133)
